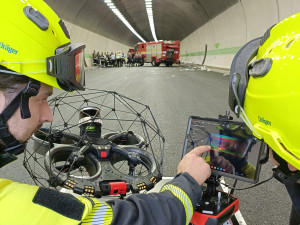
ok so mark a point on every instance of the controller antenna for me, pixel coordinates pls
(212, 183)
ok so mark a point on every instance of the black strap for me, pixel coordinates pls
(22, 100)
(10, 109)
(279, 174)
(282, 172)
(7, 142)
(32, 89)
(282, 175)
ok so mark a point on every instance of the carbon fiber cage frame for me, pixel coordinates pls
(130, 147)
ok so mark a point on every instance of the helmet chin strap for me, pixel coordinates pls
(9, 145)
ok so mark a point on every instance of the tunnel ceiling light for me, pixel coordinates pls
(113, 8)
(149, 10)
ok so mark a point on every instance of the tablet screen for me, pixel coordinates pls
(234, 153)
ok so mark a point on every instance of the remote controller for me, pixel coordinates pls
(215, 207)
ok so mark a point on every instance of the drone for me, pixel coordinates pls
(101, 143)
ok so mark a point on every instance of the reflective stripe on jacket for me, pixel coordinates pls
(27, 204)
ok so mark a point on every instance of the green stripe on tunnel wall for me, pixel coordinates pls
(224, 51)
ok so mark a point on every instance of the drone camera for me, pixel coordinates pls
(90, 122)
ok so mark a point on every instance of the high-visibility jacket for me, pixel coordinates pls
(118, 56)
(31, 205)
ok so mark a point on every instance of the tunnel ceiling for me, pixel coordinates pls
(173, 19)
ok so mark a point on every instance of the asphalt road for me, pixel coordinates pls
(174, 94)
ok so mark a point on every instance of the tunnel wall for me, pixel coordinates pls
(225, 34)
(93, 42)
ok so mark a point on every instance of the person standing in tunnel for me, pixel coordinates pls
(129, 59)
(94, 57)
(35, 38)
(123, 58)
(107, 59)
(102, 59)
(265, 94)
(112, 60)
(118, 58)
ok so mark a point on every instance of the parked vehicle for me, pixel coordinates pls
(153, 52)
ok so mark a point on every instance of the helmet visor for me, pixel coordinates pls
(67, 66)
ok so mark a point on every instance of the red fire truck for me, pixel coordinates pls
(153, 52)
